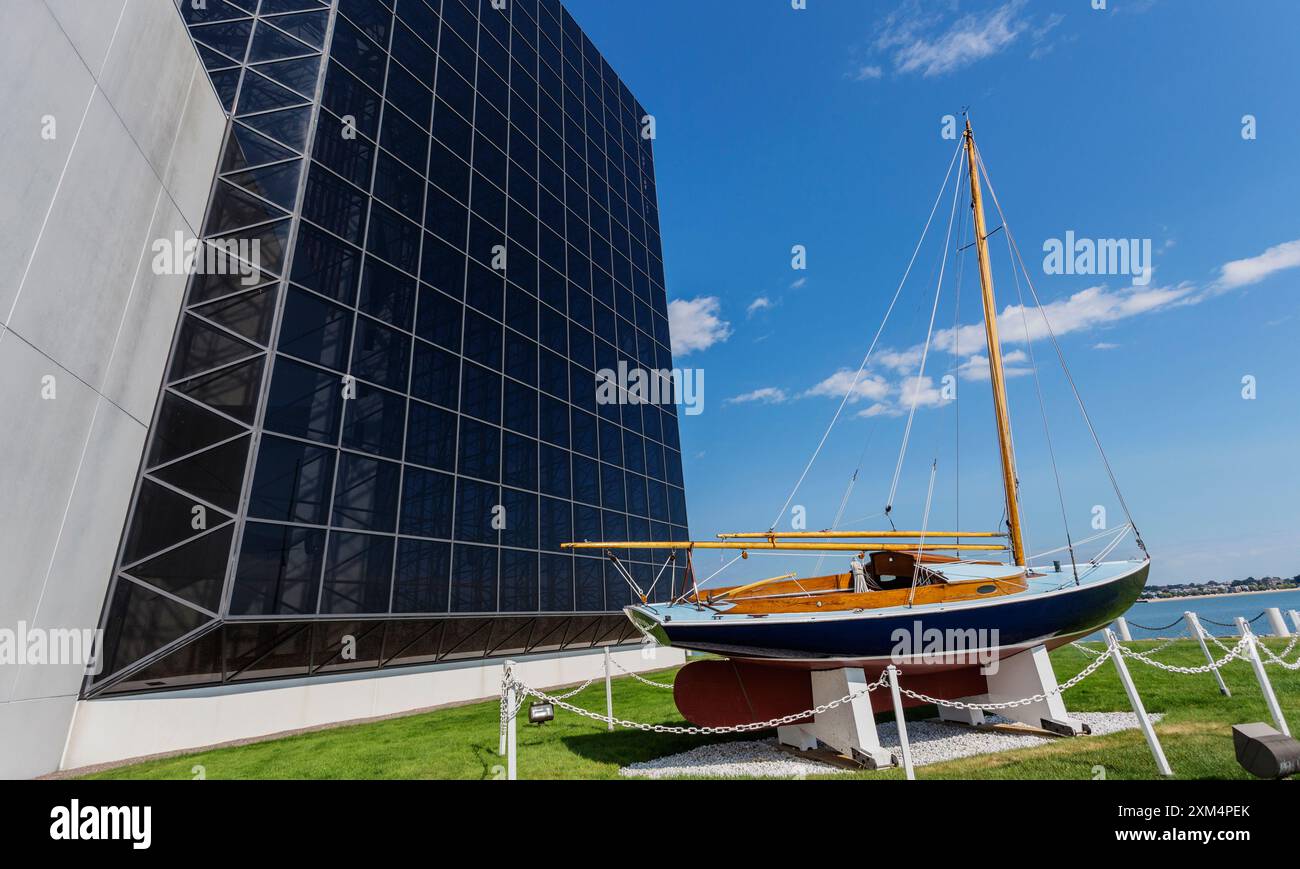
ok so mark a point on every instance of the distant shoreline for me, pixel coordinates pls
(1222, 594)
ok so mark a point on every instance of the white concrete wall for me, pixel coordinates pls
(137, 135)
(114, 729)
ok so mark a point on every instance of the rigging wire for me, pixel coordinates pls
(1060, 354)
(925, 354)
(1042, 406)
(871, 351)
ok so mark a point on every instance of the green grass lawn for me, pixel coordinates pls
(461, 743)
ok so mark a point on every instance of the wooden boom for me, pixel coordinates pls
(778, 546)
(854, 535)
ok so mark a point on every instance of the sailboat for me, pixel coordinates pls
(940, 605)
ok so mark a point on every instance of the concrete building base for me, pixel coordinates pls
(111, 730)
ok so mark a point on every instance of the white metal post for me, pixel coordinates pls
(1295, 620)
(1276, 622)
(512, 770)
(1121, 626)
(1262, 676)
(1194, 625)
(902, 724)
(1153, 741)
(609, 691)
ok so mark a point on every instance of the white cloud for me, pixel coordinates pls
(1244, 272)
(976, 368)
(766, 395)
(696, 324)
(920, 390)
(762, 303)
(917, 47)
(870, 387)
(799, 284)
(1102, 345)
(868, 73)
(1086, 309)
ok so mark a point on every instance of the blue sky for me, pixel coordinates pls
(822, 127)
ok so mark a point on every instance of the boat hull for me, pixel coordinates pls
(872, 640)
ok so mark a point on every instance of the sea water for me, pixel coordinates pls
(1223, 609)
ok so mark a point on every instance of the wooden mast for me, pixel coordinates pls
(997, 375)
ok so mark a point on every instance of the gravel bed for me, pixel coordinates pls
(931, 741)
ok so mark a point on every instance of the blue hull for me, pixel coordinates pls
(1014, 623)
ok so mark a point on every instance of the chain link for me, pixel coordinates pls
(1232, 654)
(1012, 704)
(698, 731)
(637, 676)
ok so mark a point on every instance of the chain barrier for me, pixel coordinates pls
(1099, 658)
(637, 676)
(1174, 623)
(524, 690)
(1232, 625)
(1012, 704)
(1280, 660)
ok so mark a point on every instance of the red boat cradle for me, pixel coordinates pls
(732, 693)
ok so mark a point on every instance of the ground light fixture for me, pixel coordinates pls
(540, 713)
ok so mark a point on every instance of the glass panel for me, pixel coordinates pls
(477, 508)
(247, 148)
(375, 422)
(480, 447)
(473, 580)
(184, 427)
(343, 646)
(215, 475)
(431, 437)
(325, 264)
(260, 94)
(299, 75)
(230, 38)
(279, 571)
(358, 574)
(427, 499)
(381, 354)
(304, 402)
(271, 44)
(414, 642)
(315, 330)
(195, 571)
(292, 482)
(140, 622)
(267, 651)
(435, 376)
(422, 582)
(233, 208)
(557, 583)
(250, 314)
(365, 495)
(519, 581)
(480, 395)
(309, 26)
(278, 183)
(162, 518)
(519, 519)
(387, 294)
(288, 126)
(440, 319)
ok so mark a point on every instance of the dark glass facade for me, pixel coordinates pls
(387, 429)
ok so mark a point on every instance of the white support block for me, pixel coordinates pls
(1276, 622)
(1295, 620)
(1121, 628)
(849, 729)
(971, 717)
(1028, 674)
